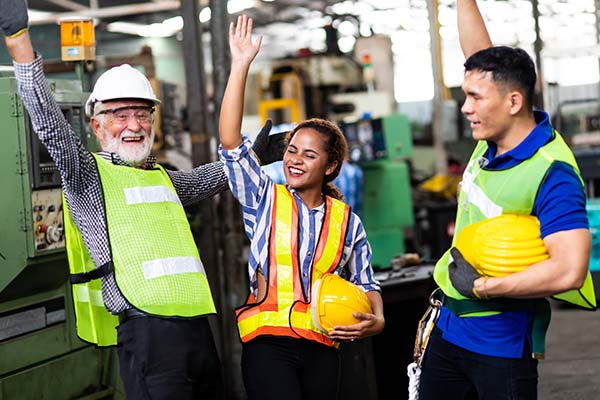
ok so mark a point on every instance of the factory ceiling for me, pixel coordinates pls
(264, 12)
(295, 24)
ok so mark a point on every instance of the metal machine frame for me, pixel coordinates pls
(40, 353)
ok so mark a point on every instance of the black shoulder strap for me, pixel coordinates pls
(97, 273)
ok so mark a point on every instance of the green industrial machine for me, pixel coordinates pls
(41, 356)
(382, 147)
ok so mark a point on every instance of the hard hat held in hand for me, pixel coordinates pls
(334, 299)
(122, 82)
(502, 245)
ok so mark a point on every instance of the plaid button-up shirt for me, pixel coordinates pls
(80, 180)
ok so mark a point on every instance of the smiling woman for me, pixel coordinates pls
(313, 159)
(299, 232)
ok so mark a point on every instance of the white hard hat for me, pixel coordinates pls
(122, 82)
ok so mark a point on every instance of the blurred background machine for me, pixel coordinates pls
(381, 147)
(40, 353)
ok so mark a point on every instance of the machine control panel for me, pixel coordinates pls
(48, 227)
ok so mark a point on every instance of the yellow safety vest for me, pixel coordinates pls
(286, 311)
(155, 259)
(487, 194)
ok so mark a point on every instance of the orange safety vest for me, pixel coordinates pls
(286, 311)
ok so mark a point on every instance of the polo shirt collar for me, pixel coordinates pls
(539, 136)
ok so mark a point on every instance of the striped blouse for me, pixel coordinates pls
(254, 190)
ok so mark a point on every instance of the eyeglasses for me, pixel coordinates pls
(121, 115)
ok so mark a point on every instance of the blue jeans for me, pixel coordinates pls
(450, 372)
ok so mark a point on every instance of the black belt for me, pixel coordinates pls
(131, 313)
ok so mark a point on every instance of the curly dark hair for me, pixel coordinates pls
(510, 66)
(336, 148)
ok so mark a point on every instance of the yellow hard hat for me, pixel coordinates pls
(502, 245)
(334, 299)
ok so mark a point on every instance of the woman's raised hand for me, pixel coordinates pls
(243, 50)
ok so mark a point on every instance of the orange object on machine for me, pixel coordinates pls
(77, 39)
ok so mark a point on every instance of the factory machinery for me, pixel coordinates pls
(41, 356)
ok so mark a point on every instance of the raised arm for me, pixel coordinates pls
(243, 51)
(472, 33)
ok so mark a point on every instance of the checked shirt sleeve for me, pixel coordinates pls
(64, 146)
(79, 176)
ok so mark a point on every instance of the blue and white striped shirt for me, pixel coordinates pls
(254, 190)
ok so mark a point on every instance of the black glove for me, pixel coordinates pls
(13, 16)
(268, 148)
(462, 274)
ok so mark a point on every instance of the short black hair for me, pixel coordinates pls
(510, 66)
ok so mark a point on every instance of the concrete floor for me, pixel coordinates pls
(571, 370)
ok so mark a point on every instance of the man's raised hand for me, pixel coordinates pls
(13, 17)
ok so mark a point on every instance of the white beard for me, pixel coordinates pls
(133, 154)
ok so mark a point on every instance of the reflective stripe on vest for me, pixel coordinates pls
(87, 295)
(172, 266)
(488, 193)
(475, 195)
(285, 311)
(156, 261)
(150, 194)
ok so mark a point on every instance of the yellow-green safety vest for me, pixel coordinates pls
(487, 194)
(155, 259)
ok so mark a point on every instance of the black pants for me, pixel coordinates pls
(453, 373)
(162, 358)
(278, 368)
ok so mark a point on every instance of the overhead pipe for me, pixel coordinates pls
(107, 12)
(68, 4)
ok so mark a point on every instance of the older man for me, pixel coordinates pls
(133, 260)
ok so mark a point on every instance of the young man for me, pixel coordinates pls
(132, 255)
(482, 348)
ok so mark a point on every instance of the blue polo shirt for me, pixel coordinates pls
(559, 206)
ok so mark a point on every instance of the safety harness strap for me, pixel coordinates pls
(540, 308)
